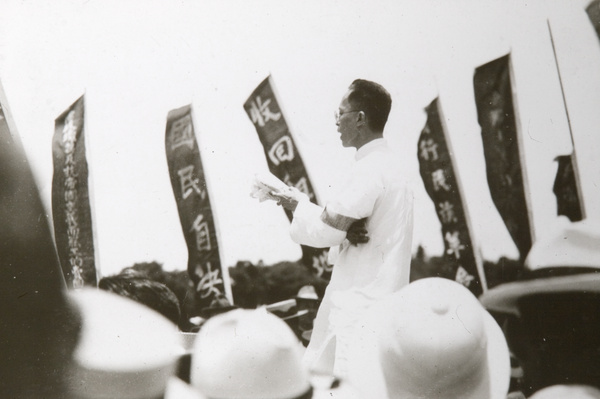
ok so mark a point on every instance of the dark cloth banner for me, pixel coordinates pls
(565, 189)
(38, 328)
(440, 180)
(284, 160)
(71, 212)
(193, 204)
(496, 116)
(593, 12)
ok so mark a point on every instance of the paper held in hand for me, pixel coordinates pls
(265, 185)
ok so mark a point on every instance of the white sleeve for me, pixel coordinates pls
(308, 228)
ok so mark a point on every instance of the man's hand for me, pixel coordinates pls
(357, 233)
(289, 199)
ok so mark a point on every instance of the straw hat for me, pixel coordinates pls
(248, 354)
(438, 342)
(126, 350)
(566, 259)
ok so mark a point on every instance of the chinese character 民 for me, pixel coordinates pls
(200, 227)
(282, 150)
(260, 112)
(439, 180)
(189, 184)
(454, 244)
(428, 149)
(182, 133)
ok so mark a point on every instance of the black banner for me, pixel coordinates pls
(565, 189)
(71, 212)
(439, 178)
(496, 116)
(284, 160)
(193, 204)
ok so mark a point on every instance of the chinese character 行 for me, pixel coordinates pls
(428, 149)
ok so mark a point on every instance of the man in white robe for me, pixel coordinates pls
(375, 194)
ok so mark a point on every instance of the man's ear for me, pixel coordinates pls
(361, 118)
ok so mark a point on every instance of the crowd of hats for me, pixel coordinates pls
(432, 339)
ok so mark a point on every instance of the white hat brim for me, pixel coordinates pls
(504, 298)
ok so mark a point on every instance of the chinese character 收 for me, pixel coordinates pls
(260, 112)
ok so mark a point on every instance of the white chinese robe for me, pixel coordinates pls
(376, 190)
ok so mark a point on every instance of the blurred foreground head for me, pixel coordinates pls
(554, 330)
(438, 342)
(248, 354)
(148, 292)
(126, 350)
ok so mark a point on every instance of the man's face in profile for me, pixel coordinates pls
(346, 123)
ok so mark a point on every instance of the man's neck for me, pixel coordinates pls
(368, 138)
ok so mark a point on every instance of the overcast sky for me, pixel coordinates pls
(137, 60)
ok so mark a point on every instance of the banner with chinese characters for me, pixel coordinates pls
(193, 204)
(496, 116)
(441, 183)
(73, 230)
(283, 159)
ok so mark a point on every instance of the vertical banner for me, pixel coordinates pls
(565, 189)
(38, 331)
(593, 12)
(496, 116)
(193, 204)
(70, 199)
(283, 159)
(441, 183)
(566, 184)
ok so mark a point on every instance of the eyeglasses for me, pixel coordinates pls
(338, 114)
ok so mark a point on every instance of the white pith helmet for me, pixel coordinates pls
(438, 342)
(248, 354)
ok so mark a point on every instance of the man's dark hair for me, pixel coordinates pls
(148, 292)
(373, 100)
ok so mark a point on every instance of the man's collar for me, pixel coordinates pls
(370, 147)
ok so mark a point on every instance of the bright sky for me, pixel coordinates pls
(137, 60)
